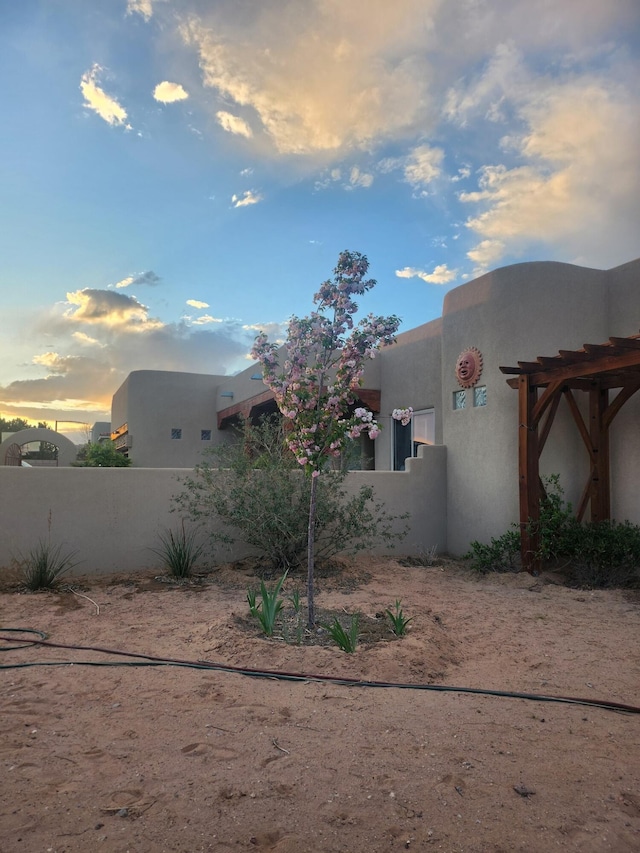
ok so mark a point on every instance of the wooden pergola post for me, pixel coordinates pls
(528, 459)
(600, 488)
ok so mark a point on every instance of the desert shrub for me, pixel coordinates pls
(502, 554)
(255, 488)
(602, 554)
(606, 555)
(179, 551)
(45, 565)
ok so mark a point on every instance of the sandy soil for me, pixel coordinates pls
(165, 758)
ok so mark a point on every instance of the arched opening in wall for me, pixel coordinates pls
(596, 369)
(40, 454)
(38, 447)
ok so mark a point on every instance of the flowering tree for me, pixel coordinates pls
(316, 387)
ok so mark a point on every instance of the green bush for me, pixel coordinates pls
(601, 555)
(254, 487)
(606, 556)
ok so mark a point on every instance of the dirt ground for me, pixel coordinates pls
(167, 758)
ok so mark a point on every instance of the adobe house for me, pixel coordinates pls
(461, 374)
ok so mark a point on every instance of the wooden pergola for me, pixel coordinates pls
(595, 369)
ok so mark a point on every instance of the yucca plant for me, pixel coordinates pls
(45, 564)
(399, 621)
(179, 551)
(268, 609)
(345, 640)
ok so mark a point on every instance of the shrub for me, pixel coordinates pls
(254, 486)
(602, 554)
(606, 556)
(179, 552)
(45, 565)
(501, 555)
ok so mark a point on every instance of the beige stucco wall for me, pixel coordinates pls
(153, 402)
(113, 516)
(516, 314)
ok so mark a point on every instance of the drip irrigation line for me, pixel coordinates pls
(279, 675)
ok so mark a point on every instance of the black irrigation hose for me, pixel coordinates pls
(40, 634)
(152, 660)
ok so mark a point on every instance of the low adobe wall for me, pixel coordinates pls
(113, 516)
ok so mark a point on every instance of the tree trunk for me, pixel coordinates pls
(311, 531)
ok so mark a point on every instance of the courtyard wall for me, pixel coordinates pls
(113, 516)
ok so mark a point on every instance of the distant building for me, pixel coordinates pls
(100, 432)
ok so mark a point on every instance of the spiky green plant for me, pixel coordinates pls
(267, 610)
(398, 620)
(179, 551)
(345, 640)
(45, 564)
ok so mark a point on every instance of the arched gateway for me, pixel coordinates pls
(67, 451)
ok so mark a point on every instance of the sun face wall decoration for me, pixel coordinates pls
(469, 367)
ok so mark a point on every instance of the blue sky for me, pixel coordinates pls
(177, 174)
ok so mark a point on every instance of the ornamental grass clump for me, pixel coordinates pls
(45, 565)
(179, 552)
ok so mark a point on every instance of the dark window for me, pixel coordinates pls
(176, 433)
(205, 435)
(401, 445)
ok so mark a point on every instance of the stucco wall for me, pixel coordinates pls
(513, 314)
(153, 402)
(410, 375)
(113, 516)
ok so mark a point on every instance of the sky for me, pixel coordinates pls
(176, 175)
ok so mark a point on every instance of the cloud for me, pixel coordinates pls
(423, 166)
(504, 72)
(124, 338)
(108, 309)
(148, 278)
(577, 185)
(440, 275)
(247, 198)
(486, 253)
(276, 332)
(96, 99)
(195, 303)
(233, 124)
(359, 179)
(420, 167)
(142, 7)
(205, 320)
(83, 338)
(169, 93)
(321, 76)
